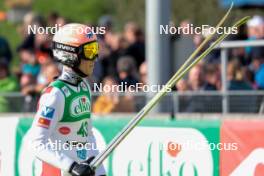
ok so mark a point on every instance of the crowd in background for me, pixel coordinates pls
(245, 69)
(122, 60)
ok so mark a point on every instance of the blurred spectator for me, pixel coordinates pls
(135, 38)
(27, 84)
(107, 22)
(237, 81)
(258, 65)
(236, 77)
(8, 83)
(61, 21)
(213, 57)
(42, 42)
(182, 85)
(109, 53)
(5, 51)
(196, 83)
(109, 101)
(48, 71)
(212, 77)
(47, 75)
(112, 48)
(28, 21)
(212, 83)
(29, 39)
(29, 62)
(197, 40)
(44, 57)
(140, 101)
(27, 36)
(52, 18)
(126, 71)
(240, 55)
(31, 86)
(196, 78)
(255, 30)
(143, 71)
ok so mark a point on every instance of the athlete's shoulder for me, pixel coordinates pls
(58, 83)
(51, 94)
(51, 97)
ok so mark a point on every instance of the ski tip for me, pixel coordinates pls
(232, 4)
(245, 19)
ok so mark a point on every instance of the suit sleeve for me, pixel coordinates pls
(50, 111)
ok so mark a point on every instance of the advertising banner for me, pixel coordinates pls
(156, 147)
(248, 159)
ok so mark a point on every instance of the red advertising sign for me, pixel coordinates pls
(248, 159)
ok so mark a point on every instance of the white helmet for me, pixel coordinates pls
(73, 42)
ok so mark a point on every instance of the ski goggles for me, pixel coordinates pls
(87, 51)
(91, 50)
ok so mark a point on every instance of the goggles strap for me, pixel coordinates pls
(63, 47)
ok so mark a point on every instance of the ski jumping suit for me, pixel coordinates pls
(63, 119)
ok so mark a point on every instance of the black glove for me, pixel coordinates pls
(82, 169)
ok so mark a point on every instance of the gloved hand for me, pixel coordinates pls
(82, 169)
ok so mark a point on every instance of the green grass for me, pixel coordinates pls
(78, 11)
